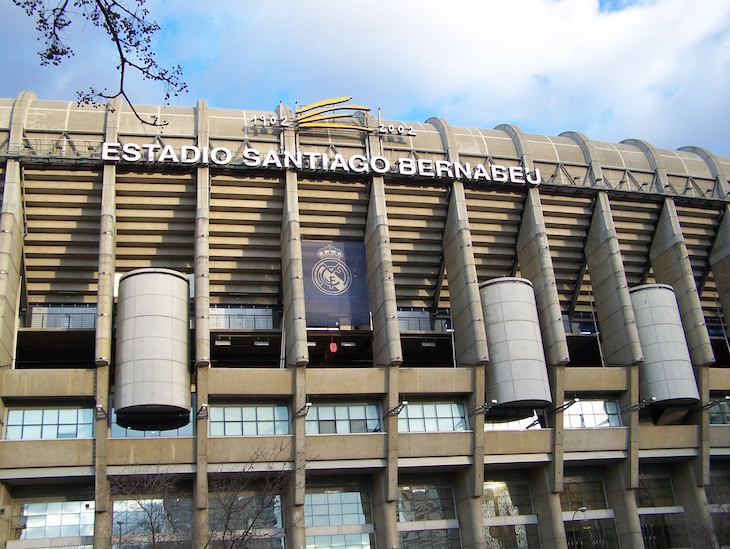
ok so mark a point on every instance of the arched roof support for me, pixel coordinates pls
(722, 178)
(17, 121)
(523, 148)
(661, 181)
(591, 157)
(447, 137)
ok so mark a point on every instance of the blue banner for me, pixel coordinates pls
(335, 284)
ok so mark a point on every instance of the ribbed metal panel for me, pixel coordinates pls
(567, 220)
(494, 222)
(635, 224)
(699, 227)
(330, 210)
(245, 241)
(416, 217)
(62, 209)
(155, 220)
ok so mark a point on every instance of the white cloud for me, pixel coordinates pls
(652, 70)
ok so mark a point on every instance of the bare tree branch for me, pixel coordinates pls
(126, 25)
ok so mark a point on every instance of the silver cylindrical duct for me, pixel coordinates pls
(516, 373)
(152, 376)
(666, 376)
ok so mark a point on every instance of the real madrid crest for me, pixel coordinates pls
(330, 274)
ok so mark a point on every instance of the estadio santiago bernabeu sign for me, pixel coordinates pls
(187, 155)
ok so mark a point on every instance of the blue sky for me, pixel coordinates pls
(611, 69)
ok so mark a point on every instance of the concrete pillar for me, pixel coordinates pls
(202, 329)
(384, 516)
(387, 349)
(720, 260)
(690, 495)
(470, 339)
(292, 278)
(556, 375)
(546, 504)
(6, 505)
(295, 525)
(103, 525)
(630, 418)
(533, 253)
(469, 510)
(672, 266)
(623, 502)
(12, 232)
(619, 335)
(390, 424)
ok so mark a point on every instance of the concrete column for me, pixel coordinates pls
(469, 510)
(202, 329)
(295, 525)
(12, 229)
(292, 278)
(470, 339)
(720, 260)
(619, 335)
(630, 398)
(555, 419)
(623, 502)
(390, 424)
(690, 495)
(546, 503)
(6, 504)
(671, 264)
(103, 524)
(386, 531)
(533, 253)
(387, 349)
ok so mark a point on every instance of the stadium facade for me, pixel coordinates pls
(440, 336)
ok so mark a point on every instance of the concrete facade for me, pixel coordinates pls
(227, 198)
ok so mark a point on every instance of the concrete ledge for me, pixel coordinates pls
(537, 441)
(346, 447)
(355, 381)
(159, 452)
(596, 439)
(69, 383)
(435, 380)
(668, 437)
(609, 379)
(250, 449)
(224, 382)
(25, 454)
(412, 445)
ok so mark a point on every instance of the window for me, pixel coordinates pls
(53, 519)
(140, 518)
(426, 513)
(718, 497)
(593, 527)
(341, 419)
(720, 413)
(537, 420)
(232, 513)
(330, 505)
(264, 419)
(662, 521)
(34, 424)
(509, 520)
(432, 417)
(592, 413)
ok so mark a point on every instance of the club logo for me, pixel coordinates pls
(330, 274)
